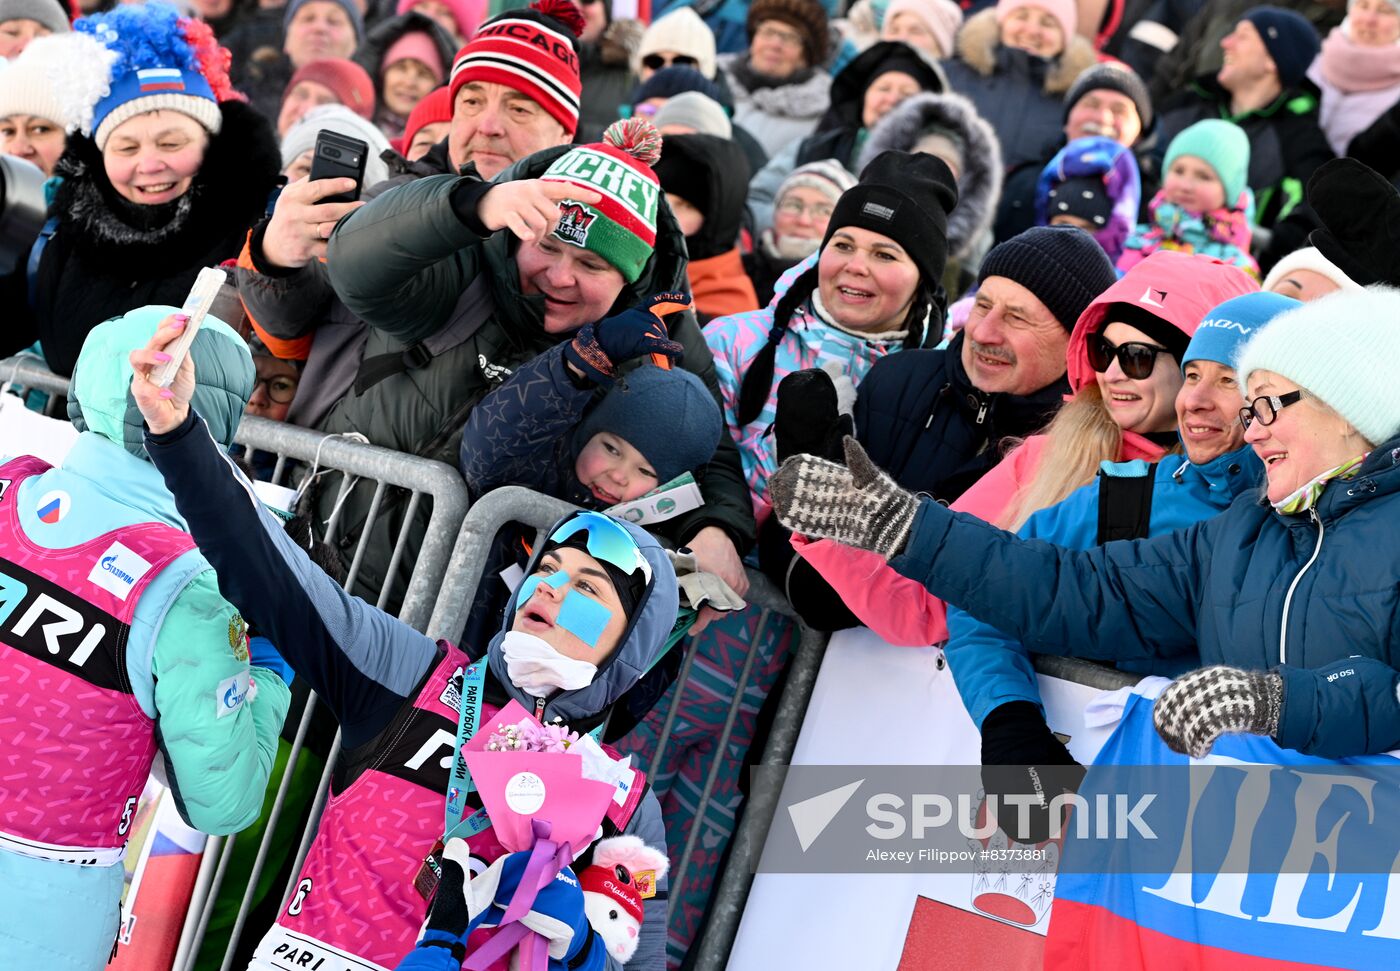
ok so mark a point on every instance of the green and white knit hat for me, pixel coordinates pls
(621, 227)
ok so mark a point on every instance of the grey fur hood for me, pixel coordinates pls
(979, 185)
(804, 99)
(979, 42)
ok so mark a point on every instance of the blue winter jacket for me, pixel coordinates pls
(991, 669)
(1315, 597)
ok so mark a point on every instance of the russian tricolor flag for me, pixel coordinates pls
(159, 79)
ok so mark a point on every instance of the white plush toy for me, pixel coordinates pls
(623, 875)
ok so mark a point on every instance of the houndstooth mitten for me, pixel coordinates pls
(1200, 706)
(855, 503)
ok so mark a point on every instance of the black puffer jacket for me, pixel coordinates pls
(109, 255)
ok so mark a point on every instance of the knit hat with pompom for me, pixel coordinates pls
(621, 227)
(534, 51)
(165, 62)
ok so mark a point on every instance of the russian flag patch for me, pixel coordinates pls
(160, 79)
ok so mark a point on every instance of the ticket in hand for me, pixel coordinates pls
(197, 304)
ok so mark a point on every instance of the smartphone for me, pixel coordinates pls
(339, 156)
(202, 295)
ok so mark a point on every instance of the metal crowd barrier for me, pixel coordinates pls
(293, 448)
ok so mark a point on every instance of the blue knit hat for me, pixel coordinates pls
(161, 65)
(671, 81)
(1223, 146)
(1223, 331)
(667, 415)
(1290, 39)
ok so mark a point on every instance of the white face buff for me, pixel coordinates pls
(539, 670)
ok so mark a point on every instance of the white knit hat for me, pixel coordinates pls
(1342, 348)
(342, 121)
(683, 32)
(50, 13)
(1309, 258)
(56, 77)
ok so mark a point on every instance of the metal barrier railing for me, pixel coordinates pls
(358, 462)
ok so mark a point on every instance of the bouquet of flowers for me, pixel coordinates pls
(546, 790)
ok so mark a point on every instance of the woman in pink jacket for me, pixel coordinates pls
(1110, 416)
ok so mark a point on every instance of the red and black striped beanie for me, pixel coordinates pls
(534, 51)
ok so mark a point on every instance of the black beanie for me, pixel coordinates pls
(685, 175)
(907, 198)
(1163, 332)
(1063, 266)
(1085, 198)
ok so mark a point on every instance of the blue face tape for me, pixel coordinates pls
(583, 617)
(527, 589)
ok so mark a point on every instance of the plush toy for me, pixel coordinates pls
(624, 874)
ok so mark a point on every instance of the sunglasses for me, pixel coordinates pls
(608, 541)
(655, 62)
(1135, 358)
(1266, 408)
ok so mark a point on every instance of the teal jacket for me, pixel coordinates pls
(182, 643)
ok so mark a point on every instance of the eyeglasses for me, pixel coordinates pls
(608, 540)
(281, 389)
(796, 207)
(785, 37)
(1266, 407)
(655, 62)
(1136, 358)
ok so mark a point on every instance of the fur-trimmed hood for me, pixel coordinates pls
(979, 185)
(979, 46)
(228, 195)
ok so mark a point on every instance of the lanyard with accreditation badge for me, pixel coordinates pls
(459, 782)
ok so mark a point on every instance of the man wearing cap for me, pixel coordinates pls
(1262, 87)
(937, 418)
(1109, 101)
(483, 276)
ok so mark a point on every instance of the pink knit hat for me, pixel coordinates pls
(420, 47)
(468, 13)
(941, 17)
(1064, 11)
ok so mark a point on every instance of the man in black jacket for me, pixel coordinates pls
(1262, 87)
(936, 419)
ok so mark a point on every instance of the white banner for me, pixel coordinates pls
(884, 705)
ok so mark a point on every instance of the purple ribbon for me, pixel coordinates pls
(547, 858)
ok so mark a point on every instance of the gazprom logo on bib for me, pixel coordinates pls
(118, 569)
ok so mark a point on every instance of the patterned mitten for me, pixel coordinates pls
(1200, 706)
(855, 503)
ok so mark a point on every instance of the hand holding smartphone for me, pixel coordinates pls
(339, 156)
(196, 307)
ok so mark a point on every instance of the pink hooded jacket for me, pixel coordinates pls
(1177, 287)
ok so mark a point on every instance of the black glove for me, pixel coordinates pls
(598, 349)
(443, 943)
(1021, 756)
(808, 419)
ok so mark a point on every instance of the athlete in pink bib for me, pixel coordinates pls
(115, 644)
(595, 609)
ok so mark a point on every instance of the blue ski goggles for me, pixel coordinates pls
(608, 541)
